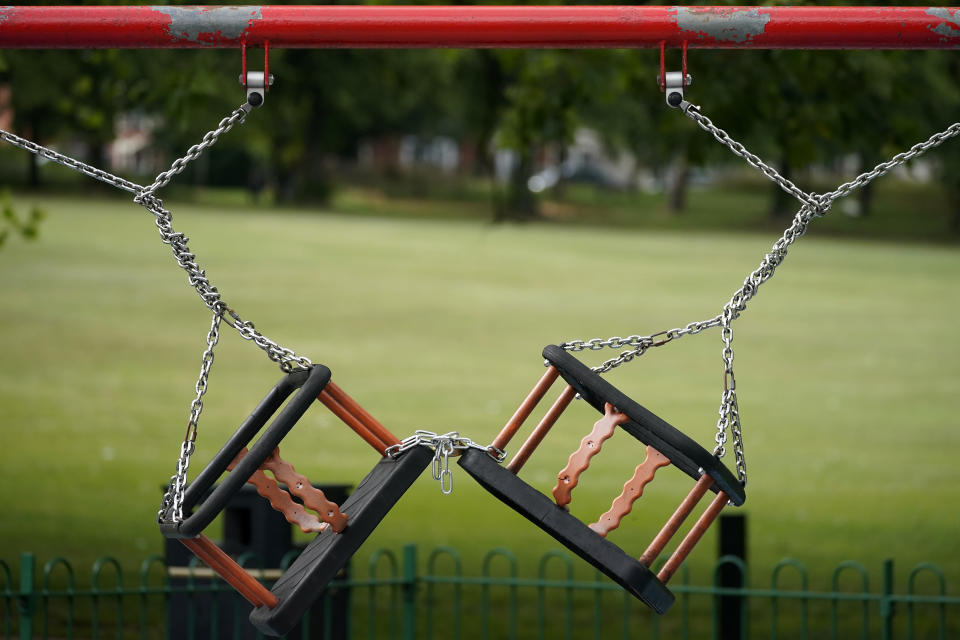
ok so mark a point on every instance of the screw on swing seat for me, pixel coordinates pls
(340, 529)
(665, 446)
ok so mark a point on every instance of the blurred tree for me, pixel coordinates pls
(546, 95)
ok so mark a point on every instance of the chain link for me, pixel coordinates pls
(812, 205)
(445, 446)
(71, 163)
(288, 360)
(194, 152)
(171, 507)
(693, 112)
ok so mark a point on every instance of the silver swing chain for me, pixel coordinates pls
(171, 507)
(813, 205)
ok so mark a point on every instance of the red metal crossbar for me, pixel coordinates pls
(71, 27)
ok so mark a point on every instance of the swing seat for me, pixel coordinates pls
(302, 583)
(341, 531)
(665, 445)
(568, 530)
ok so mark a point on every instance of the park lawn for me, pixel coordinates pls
(846, 364)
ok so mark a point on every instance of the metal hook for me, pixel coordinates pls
(257, 83)
(674, 82)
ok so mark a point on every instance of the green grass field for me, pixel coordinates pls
(847, 365)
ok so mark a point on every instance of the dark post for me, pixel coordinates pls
(887, 604)
(26, 600)
(409, 617)
(733, 542)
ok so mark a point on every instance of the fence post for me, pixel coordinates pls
(886, 602)
(27, 598)
(409, 615)
(733, 542)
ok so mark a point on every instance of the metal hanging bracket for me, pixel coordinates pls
(257, 83)
(674, 82)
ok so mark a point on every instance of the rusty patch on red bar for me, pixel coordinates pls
(950, 27)
(209, 25)
(721, 24)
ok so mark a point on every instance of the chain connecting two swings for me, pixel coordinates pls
(445, 446)
(812, 205)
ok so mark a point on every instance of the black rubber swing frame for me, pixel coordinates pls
(276, 611)
(610, 559)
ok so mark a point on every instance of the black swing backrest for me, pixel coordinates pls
(685, 453)
(310, 383)
(664, 445)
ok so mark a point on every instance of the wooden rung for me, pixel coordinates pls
(368, 420)
(526, 408)
(676, 520)
(693, 536)
(238, 578)
(538, 434)
(351, 421)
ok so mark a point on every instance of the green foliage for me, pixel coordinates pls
(27, 228)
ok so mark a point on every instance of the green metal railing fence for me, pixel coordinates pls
(402, 598)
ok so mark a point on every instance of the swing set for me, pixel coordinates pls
(188, 509)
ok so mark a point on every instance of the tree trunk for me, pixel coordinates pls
(33, 171)
(559, 189)
(865, 197)
(865, 200)
(677, 182)
(519, 202)
(782, 203)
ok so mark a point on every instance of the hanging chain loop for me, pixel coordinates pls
(71, 163)
(171, 507)
(445, 446)
(194, 152)
(813, 205)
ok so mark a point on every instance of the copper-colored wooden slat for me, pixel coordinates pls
(210, 560)
(351, 421)
(361, 414)
(299, 485)
(538, 434)
(590, 446)
(279, 499)
(693, 536)
(526, 408)
(673, 524)
(632, 490)
(245, 584)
